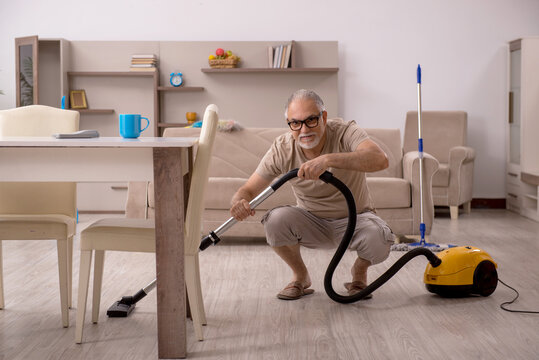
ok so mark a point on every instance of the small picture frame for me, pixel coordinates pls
(77, 99)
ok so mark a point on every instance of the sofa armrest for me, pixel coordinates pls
(136, 206)
(461, 154)
(461, 165)
(410, 167)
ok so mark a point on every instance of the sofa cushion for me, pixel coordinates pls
(235, 153)
(389, 192)
(389, 141)
(441, 177)
(221, 189)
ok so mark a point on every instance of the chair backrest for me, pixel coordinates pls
(389, 141)
(199, 180)
(38, 198)
(440, 130)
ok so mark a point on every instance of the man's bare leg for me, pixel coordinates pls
(359, 277)
(292, 256)
(359, 270)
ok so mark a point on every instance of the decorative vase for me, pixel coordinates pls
(191, 117)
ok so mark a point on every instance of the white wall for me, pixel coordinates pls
(460, 44)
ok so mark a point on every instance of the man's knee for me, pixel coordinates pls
(278, 216)
(373, 242)
(278, 224)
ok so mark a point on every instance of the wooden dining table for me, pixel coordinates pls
(165, 161)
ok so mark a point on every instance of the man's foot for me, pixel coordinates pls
(294, 291)
(355, 287)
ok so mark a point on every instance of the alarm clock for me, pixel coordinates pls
(176, 79)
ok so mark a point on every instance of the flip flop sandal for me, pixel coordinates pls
(355, 287)
(294, 291)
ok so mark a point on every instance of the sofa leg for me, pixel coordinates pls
(467, 206)
(454, 210)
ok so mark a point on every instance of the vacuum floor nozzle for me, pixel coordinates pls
(119, 309)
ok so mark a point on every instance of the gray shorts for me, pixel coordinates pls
(290, 225)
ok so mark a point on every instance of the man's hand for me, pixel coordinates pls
(312, 169)
(241, 209)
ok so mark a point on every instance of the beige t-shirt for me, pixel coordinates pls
(321, 199)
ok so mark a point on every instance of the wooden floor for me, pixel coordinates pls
(247, 321)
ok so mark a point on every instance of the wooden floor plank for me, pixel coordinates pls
(247, 321)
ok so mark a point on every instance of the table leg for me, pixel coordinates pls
(169, 233)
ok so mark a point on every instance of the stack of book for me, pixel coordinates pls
(143, 62)
(280, 56)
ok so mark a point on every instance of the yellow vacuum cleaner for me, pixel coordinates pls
(464, 271)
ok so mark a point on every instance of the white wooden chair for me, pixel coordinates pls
(40, 211)
(138, 235)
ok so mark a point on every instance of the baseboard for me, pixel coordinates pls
(488, 203)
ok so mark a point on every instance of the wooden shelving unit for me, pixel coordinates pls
(101, 68)
(269, 70)
(522, 176)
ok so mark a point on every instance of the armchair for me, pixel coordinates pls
(395, 190)
(444, 135)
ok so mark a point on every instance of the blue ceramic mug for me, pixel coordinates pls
(130, 125)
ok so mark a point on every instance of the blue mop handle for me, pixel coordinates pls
(420, 151)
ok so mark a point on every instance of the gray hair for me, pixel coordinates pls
(304, 94)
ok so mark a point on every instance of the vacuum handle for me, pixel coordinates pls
(279, 182)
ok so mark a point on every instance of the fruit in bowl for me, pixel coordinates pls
(223, 59)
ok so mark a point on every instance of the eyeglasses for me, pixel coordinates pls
(310, 122)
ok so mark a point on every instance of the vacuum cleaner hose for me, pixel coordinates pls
(345, 242)
(382, 279)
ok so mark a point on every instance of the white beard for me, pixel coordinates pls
(310, 144)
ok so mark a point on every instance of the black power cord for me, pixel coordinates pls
(512, 301)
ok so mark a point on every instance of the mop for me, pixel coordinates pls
(422, 242)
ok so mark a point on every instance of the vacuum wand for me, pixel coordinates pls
(213, 237)
(125, 306)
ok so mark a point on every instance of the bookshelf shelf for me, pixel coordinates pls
(271, 70)
(113, 73)
(167, 125)
(180, 88)
(529, 178)
(94, 111)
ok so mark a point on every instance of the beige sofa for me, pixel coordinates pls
(395, 190)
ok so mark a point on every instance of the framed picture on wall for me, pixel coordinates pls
(77, 99)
